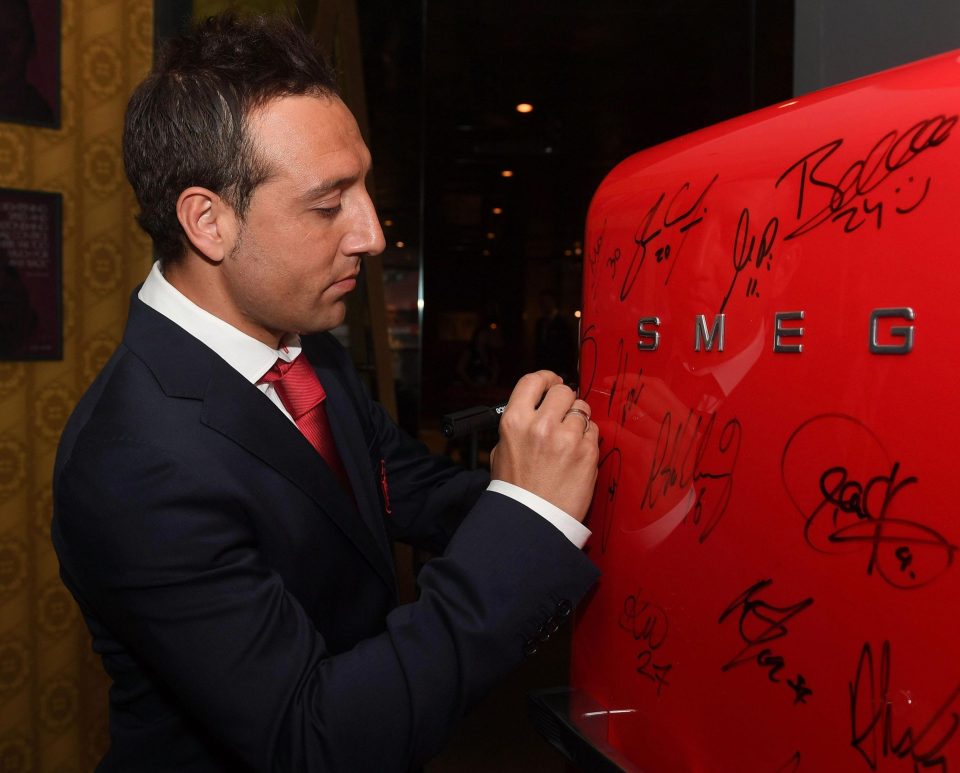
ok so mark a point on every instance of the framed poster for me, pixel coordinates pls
(30, 67)
(31, 311)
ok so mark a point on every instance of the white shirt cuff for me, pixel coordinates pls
(571, 528)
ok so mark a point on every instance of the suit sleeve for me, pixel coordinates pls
(424, 496)
(172, 569)
(427, 495)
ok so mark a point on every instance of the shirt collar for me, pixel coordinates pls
(245, 354)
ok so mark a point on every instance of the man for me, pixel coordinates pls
(232, 565)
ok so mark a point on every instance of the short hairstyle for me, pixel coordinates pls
(186, 123)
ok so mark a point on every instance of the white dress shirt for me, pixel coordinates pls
(252, 359)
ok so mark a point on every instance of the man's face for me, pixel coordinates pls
(298, 249)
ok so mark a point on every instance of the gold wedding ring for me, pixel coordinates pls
(583, 415)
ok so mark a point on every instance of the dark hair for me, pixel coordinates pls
(186, 124)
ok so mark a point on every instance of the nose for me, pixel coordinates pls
(366, 236)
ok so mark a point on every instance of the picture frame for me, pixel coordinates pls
(30, 73)
(31, 302)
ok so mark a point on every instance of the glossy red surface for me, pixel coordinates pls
(778, 530)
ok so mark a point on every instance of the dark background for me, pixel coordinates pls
(607, 78)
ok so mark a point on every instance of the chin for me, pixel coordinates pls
(328, 321)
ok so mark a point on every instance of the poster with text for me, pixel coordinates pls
(30, 301)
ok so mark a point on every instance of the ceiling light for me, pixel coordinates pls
(524, 107)
(401, 245)
(506, 173)
(388, 223)
(497, 211)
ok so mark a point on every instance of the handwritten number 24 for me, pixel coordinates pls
(653, 671)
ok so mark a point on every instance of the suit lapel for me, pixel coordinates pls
(351, 443)
(238, 410)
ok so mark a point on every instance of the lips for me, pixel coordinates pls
(346, 284)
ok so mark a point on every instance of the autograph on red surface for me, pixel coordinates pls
(846, 501)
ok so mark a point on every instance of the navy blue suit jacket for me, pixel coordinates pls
(245, 607)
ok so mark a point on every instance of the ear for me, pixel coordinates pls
(208, 221)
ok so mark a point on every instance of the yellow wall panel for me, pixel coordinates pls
(52, 687)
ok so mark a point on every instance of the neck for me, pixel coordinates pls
(200, 286)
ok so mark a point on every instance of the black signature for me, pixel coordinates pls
(647, 623)
(659, 228)
(678, 462)
(905, 553)
(603, 506)
(872, 731)
(792, 765)
(633, 392)
(749, 253)
(843, 197)
(589, 354)
(760, 624)
(593, 259)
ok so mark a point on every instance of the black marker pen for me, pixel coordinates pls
(464, 422)
(471, 420)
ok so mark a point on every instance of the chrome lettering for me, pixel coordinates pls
(784, 336)
(649, 339)
(904, 333)
(700, 334)
(780, 332)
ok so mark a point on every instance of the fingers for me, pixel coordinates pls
(530, 390)
(549, 444)
(578, 411)
(557, 401)
(544, 395)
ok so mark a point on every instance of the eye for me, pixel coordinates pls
(328, 211)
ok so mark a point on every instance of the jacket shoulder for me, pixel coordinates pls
(123, 399)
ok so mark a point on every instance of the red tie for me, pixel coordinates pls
(303, 397)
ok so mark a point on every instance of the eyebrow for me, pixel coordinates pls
(323, 188)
